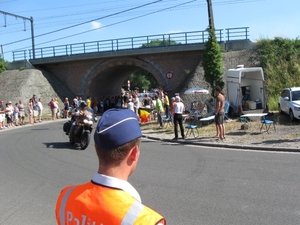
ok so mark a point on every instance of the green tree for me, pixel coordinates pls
(141, 79)
(159, 43)
(3, 65)
(212, 61)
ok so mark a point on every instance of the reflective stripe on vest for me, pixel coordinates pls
(131, 216)
(132, 213)
(63, 205)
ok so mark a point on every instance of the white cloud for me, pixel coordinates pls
(96, 25)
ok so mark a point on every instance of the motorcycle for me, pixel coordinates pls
(83, 126)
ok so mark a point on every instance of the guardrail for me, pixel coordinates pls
(150, 41)
(237, 33)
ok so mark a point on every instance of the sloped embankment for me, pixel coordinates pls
(16, 85)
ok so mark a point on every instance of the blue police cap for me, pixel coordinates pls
(116, 128)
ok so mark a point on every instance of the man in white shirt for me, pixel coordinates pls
(178, 111)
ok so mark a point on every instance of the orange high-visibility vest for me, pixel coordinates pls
(94, 204)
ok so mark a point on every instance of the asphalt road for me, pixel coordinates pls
(187, 184)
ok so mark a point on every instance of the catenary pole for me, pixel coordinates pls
(2, 51)
(32, 39)
(31, 23)
(210, 15)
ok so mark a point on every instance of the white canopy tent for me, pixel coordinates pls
(196, 90)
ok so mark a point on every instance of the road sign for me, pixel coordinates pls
(169, 75)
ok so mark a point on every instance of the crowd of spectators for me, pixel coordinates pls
(127, 99)
(31, 112)
(14, 114)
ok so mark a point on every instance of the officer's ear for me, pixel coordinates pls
(134, 153)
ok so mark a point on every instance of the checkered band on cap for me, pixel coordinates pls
(116, 128)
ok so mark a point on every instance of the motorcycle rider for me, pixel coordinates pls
(75, 114)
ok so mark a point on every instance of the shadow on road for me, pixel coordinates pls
(61, 145)
(280, 141)
(40, 129)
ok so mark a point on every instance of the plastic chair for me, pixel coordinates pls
(267, 121)
(192, 126)
(245, 121)
(226, 110)
(167, 121)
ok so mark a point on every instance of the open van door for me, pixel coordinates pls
(245, 89)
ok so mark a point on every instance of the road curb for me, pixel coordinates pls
(206, 144)
(219, 145)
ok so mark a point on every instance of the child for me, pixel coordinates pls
(16, 114)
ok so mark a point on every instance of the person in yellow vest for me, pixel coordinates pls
(89, 102)
(109, 198)
(167, 105)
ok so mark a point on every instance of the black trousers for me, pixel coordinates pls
(159, 119)
(178, 120)
(167, 111)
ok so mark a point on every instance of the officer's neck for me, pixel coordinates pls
(117, 172)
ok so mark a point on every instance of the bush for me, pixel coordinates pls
(280, 60)
(3, 65)
(273, 103)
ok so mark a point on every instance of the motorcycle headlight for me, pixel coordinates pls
(90, 122)
(85, 121)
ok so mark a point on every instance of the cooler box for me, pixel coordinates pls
(252, 105)
(258, 105)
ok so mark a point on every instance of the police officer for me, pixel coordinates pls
(109, 198)
(75, 113)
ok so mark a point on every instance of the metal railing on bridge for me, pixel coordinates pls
(150, 41)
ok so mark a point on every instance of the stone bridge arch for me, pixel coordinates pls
(106, 78)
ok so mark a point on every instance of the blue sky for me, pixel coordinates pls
(265, 19)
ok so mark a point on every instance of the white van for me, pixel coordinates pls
(245, 89)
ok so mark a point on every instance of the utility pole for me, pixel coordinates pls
(31, 22)
(210, 15)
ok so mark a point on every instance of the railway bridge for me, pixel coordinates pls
(100, 68)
